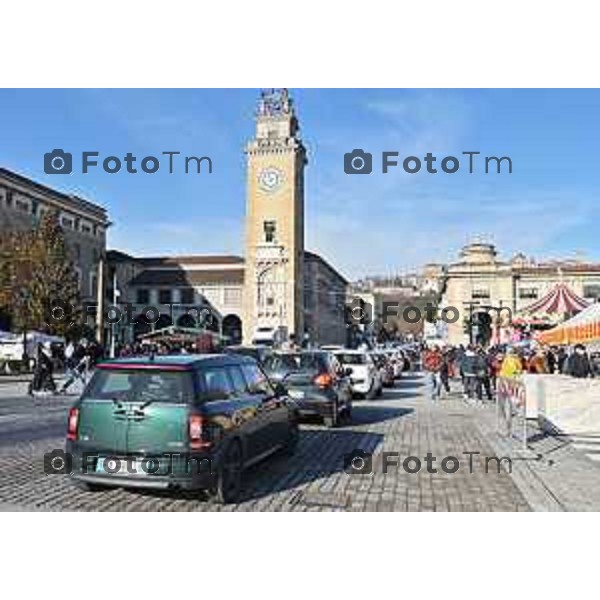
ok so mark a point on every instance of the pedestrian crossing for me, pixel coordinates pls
(588, 445)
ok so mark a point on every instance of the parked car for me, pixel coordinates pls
(386, 369)
(397, 361)
(365, 378)
(202, 418)
(316, 381)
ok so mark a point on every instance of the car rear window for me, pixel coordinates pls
(137, 385)
(296, 362)
(352, 359)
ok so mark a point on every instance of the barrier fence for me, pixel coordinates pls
(511, 408)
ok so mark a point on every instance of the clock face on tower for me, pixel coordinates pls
(270, 179)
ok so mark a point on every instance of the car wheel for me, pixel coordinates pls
(372, 392)
(348, 414)
(333, 420)
(229, 476)
(293, 438)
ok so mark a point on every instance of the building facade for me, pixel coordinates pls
(187, 291)
(24, 202)
(481, 282)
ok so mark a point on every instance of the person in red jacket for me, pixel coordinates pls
(433, 360)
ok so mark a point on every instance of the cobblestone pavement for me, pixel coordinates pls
(402, 421)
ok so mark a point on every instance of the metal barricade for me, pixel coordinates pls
(511, 409)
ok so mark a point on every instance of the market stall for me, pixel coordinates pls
(553, 308)
(583, 328)
(201, 340)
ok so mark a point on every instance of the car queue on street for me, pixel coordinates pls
(201, 420)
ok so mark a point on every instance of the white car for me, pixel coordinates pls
(397, 361)
(365, 379)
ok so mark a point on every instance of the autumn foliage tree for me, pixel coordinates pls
(37, 274)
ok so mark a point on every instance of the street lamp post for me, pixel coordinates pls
(24, 297)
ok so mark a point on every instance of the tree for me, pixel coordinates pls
(37, 275)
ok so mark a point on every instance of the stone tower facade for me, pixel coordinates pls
(274, 220)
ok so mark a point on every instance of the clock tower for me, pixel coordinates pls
(273, 282)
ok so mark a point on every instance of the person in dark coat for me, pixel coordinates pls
(551, 360)
(561, 358)
(42, 374)
(578, 364)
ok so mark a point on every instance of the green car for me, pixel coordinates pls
(186, 421)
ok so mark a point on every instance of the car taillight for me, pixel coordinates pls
(324, 380)
(72, 424)
(196, 432)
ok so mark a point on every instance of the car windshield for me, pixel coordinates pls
(138, 385)
(352, 359)
(295, 362)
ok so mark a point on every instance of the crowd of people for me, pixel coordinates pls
(479, 369)
(76, 359)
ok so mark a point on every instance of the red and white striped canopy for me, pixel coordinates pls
(559, 300)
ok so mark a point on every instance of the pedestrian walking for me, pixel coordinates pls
(468, 370)
(511, 365)
(80, 362)
(432, 363)
(482, 371)
(561, 358)
(578, 364)
(43, 380)
(537, 363)
(446, 371)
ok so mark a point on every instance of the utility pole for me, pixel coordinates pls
(100, 301)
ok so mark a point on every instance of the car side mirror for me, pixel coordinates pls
(348, 371)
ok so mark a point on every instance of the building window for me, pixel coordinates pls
(67, 222)
(480, 293)
(143, 297)
(164, 296)
(232, 296)
(528, 293)
(270, 230)
(93, 284)
(187, 295)
(592, 291)
(85, 228)
(9, 198)
(22, 205)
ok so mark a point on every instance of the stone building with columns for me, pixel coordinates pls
(482, 282)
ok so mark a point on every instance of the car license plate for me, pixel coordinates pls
(297, 394)
(108, 466)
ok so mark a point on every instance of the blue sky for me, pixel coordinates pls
(381, 223)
